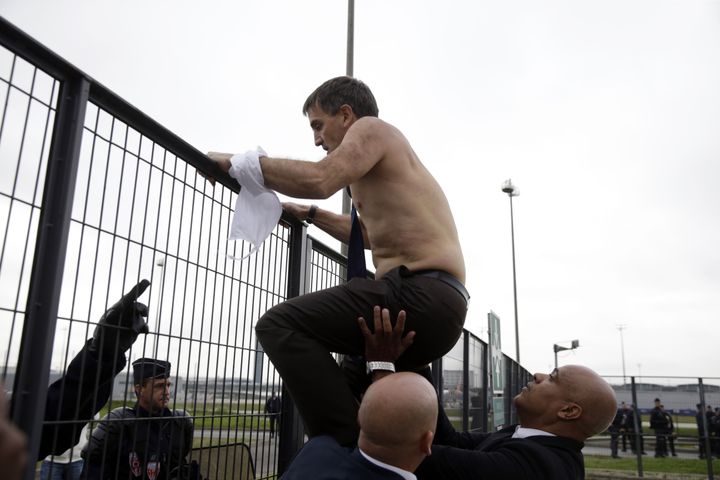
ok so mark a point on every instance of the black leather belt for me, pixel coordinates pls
(446, 278)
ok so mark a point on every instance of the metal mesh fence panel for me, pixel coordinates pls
(28, 98)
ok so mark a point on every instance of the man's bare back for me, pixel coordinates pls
(404, 211)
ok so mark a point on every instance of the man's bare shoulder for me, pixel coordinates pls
(373, 125)
(372, 129)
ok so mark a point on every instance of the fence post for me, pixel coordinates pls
(30, 389)
(639, 443)
(706, 435)
(291, 430)
(466, 380)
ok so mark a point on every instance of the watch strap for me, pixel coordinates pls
(311, 214)
(384, 366)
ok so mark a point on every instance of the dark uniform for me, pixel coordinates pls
(670, 432)
(132, 443)
(273, 407)
(614, 430)
(658, 422)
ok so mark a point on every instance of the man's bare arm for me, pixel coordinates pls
(359, 151)
(338, 226)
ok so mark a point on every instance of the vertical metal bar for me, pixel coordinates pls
(706, 432)
(437, 377)
(466, 380)
(349, 66)
(487, 384)
(517, 325)
(291, 431)
(30, 387)
(639, 444)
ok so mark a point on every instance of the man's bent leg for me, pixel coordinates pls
(298, 336)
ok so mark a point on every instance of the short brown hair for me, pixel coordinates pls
(339, 91)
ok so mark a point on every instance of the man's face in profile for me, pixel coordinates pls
(543, 396)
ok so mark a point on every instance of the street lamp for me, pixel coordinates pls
(622, 349)
(160, 262)
(557, 348)
(512, 191)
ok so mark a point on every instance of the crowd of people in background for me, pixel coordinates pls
(626, 431)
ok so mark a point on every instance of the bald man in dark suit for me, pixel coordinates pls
(557, 413)
(397, 419)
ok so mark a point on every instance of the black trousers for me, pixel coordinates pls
(299, 335)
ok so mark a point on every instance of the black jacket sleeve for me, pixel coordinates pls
(78, 395)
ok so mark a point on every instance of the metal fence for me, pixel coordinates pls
(687, 425)
(95, 196)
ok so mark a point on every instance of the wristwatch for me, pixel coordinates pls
(311, 214)
(384, 366)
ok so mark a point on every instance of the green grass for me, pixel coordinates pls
(651, 464)
(223, 417)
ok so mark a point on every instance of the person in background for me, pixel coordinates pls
(670, 431)
(273, 407)
(658, 422)
(614, 429)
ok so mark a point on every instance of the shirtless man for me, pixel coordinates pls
(407, 224)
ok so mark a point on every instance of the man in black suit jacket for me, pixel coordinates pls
(557, 413)
(397, 420)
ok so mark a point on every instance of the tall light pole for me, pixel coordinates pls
(622, 348)
(512, 191)
(349, 63)
(160, 262)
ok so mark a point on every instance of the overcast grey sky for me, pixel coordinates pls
(606, 115)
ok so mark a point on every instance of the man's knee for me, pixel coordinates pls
(271, 324)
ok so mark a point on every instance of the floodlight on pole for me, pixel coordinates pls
(557, 348)
(512, 191)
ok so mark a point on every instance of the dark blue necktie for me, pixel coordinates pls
(356, 249)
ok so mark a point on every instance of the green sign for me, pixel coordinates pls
(498, 411)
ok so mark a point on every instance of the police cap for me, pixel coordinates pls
(144, 368)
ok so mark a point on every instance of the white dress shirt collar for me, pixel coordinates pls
(522, 432)
(403, 473)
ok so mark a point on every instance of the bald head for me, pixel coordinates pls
(397, 419)
(573, 401)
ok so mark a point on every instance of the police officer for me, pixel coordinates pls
(614, 430)
(147, 441)
(273, 407)
(658, 422)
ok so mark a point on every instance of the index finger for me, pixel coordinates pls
(135, 292)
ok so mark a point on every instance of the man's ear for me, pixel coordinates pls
(426, 442)
(348, 116)
(570, 411)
